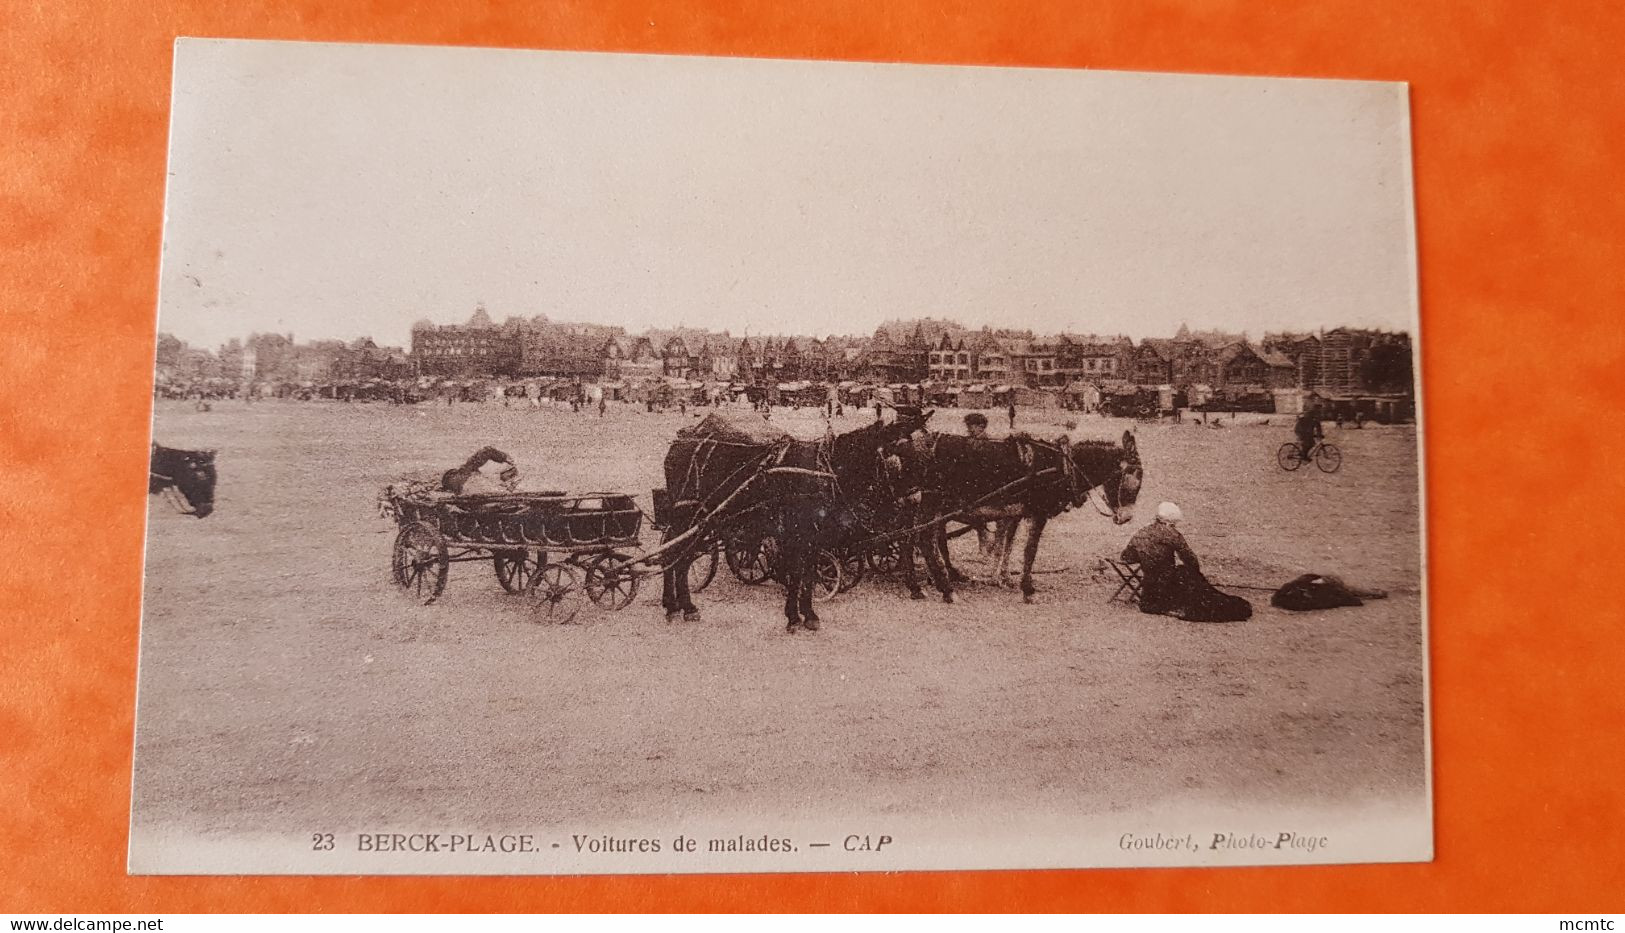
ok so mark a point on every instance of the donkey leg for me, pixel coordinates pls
(1034, 532)
(809, 580)
(905, 561)
(940, 540)
(996, 573)
(789, 559)
(1007, 543)
(934, 564)
(792, 617)
(685, 599)
(668, 593)
(984, 546)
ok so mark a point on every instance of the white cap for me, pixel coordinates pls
(1168, 512)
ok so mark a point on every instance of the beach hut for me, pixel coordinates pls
(1081, 396)
(1030, 397)
(940, 394)
(1165, 398)
(855, 394)
(976, 395)
(1393, 409)
(1288, 401)
(802, 393)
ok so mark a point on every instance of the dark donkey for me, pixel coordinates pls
(186, 476)
(803, 490)
(1020, 477)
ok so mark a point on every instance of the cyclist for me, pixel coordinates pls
(1309, 431)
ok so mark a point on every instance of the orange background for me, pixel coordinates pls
(1519, 145)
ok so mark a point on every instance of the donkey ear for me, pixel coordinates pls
(1128, 441)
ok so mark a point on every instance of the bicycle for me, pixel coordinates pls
(1325, 456)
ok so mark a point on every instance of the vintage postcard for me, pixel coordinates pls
(586, 463)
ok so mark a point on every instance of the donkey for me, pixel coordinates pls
(1004, 482)
(806, 491)
(186, 476)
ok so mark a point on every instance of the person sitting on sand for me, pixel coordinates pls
(1172, 576)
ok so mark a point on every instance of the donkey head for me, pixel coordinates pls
(195, 477)
(1114, 470)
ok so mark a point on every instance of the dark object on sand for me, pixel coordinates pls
(1314, 591)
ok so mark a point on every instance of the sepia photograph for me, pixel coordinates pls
(587, 463)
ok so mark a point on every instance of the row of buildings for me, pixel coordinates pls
(276, 358)
(1340, 361)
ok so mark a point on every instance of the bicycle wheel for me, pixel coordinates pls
(1290, 456)
(1328, 458)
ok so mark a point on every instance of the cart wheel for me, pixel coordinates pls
(752, 561)
(1328, 458)
(886, 558)
(827, 567)
(703, 570)
(516, 569)
(1290, 456)
(419, 563)
(852, 569)
(612, 583)
(558, 593)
